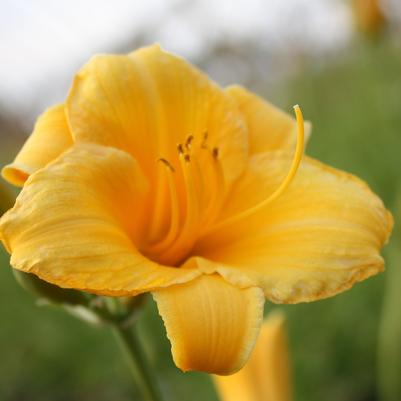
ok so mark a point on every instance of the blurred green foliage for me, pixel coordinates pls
(355, 108)
(354, 103)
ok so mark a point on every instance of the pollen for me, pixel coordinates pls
(188, 142)
(167, 163)
(204, 140)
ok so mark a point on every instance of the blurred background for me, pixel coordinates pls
(339, 59)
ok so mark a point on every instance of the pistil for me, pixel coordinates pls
(299, 150)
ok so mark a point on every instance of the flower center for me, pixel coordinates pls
(189, 197)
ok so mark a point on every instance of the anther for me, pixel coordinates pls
(204, 140)
(215, 153)
(187, 158)
(188, 142)
(167, 163)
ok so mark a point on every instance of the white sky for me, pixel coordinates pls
(43, 42)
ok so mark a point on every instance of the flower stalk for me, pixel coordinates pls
(129, 341)
(119, 314)
(389, 344)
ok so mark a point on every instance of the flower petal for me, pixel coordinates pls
(269, 127)
(266, 376)
(147, 102)
(76, 221)
(211, 324)
(319, 238)
(48, 140)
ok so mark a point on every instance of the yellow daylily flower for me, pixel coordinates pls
(266, 376)
(152, 178)
(369, 16)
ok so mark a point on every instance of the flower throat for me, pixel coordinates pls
(196, 191)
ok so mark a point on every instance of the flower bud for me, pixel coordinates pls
(49, 292)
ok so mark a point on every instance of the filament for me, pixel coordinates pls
(184, 240)
(175, 212)
(217, 191)
(158, 208)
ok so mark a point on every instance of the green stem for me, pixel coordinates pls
(389, 341)
(7, 198)
(130, 344)
(389, 344)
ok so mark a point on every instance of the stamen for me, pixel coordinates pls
(158, 213)
(175, 212)
(183, 243)
(180, 149)
(284, 184)
(217, 189)
(204, 140)
(167, 163)
(188, 142)
(200, 182)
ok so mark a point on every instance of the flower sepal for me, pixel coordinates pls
(49, 293)
(119, 312)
